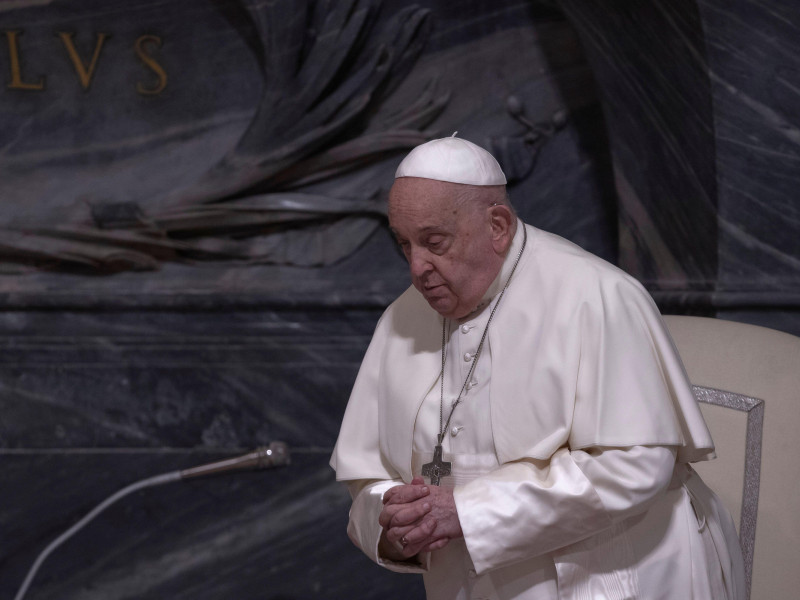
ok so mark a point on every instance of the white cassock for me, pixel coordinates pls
(570, 448)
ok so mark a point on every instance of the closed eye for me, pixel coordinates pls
(436, 243)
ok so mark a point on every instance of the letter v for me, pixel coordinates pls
(84, 74)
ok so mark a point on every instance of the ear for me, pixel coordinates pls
(503, 224)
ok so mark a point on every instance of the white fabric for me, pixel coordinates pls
(680, 548)
(452, 159)
(583, 521)
(586, 361)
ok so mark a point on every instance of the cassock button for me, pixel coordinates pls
(456, 428)
(467, 357)
(465, 328)
(472, 384)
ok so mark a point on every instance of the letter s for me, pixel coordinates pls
(151, 63)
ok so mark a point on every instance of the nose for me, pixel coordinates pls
(418, 262)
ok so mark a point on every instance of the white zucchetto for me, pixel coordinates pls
(452, 159)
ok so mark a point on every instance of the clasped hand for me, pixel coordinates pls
(417, 518)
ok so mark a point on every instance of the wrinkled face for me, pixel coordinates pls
(445, 232)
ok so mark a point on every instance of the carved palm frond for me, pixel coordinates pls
(326, 71)
(327, 68)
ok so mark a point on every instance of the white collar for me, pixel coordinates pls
(505, 272)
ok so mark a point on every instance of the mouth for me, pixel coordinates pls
(435, 293)
(428, 289)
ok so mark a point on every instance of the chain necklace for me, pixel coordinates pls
(437, 467)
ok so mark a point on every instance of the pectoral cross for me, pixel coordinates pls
(437, 467)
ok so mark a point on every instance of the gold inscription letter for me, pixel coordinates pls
(151, 63)
(16, 71)
(84, 73)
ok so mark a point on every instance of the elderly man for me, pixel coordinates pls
(535, 387)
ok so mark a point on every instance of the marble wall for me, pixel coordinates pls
(702, 107)
(94, 401)
(193, 247)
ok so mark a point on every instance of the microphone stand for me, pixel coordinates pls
(274, 455)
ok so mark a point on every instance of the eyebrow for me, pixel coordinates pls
(423, 231)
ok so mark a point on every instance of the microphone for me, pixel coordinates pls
(269, 457)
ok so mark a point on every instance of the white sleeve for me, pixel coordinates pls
(530, 507)
(365, 531)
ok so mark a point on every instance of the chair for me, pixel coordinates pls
(747, 379)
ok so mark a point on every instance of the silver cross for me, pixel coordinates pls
(437, 468)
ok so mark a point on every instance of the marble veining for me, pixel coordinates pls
(234, 536)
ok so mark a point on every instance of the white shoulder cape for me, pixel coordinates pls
(580, 358)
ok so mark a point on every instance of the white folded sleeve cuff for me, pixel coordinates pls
(528, 508)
